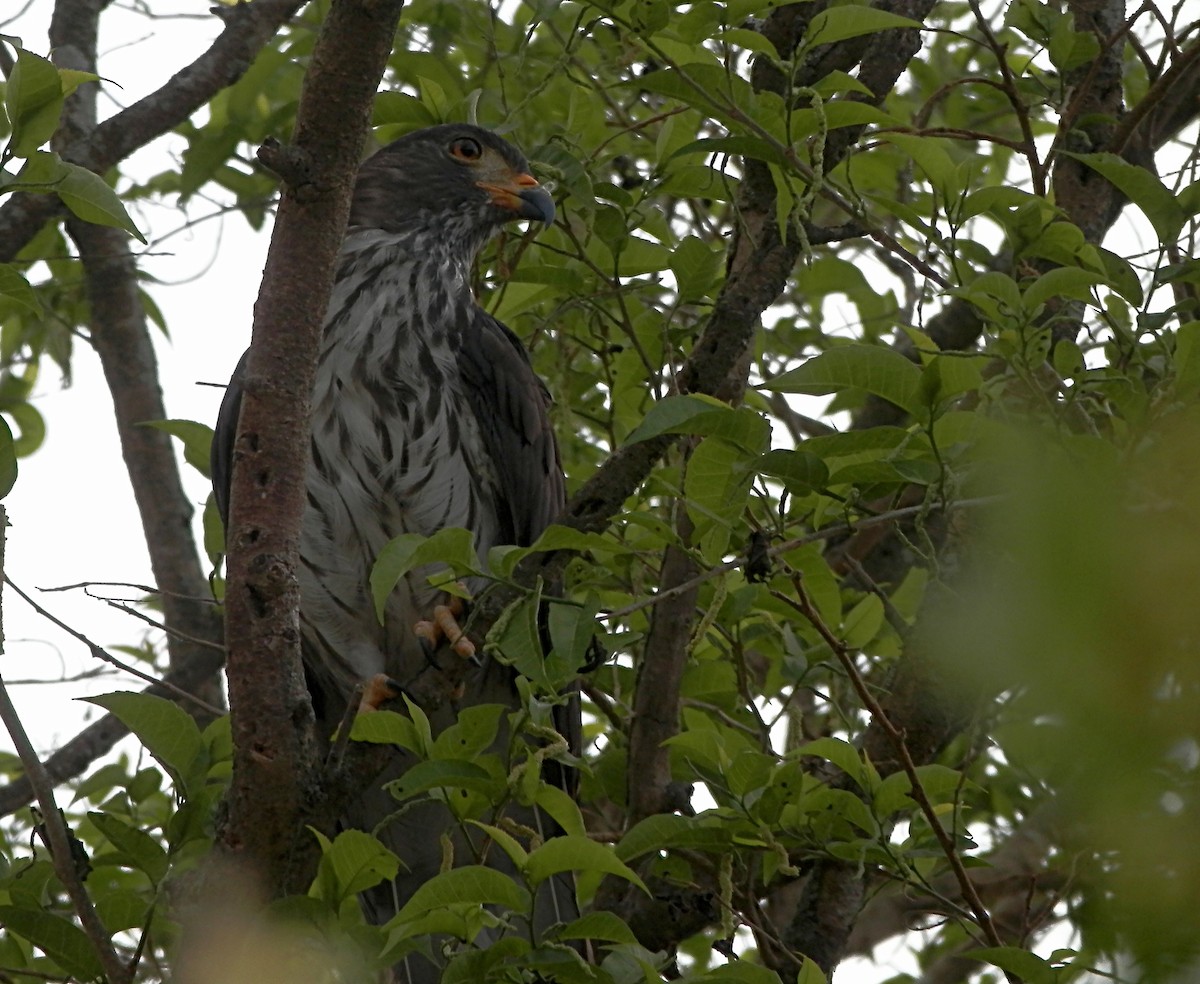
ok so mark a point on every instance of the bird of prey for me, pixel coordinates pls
(426, 414)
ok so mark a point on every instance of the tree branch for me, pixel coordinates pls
(100, 653)
(122, 341)
(56, 830)
(248, 26)
(277, 768)
(656, 698)
(902, 755)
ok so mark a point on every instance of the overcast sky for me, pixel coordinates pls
(71, 512)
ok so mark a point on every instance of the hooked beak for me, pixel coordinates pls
(522, 195)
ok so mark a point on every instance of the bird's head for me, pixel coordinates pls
(461, 175)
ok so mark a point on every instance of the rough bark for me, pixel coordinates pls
(276, 767)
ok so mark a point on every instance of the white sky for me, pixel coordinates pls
(71, 512)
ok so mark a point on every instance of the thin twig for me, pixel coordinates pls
(56, 829)
(100, 653)
(803, 604)
(1028, 147)
(825, 533)
(166, 629)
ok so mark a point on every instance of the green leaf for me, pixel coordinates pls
(1142, 188)
(572, 628)
(515, 638)
(574, 853)
(597, 926)
(72, 79)
(741, 971)
(948, 375)
(443, 774)
(810, 973)
(137, 847)
(841, 753)
(1122, 277)
(352, 863)
(565, 538)
(718, 479)
(938, 781)
(8, 459)
(706, 417)
(196, 439)
(386, 727)
(665, 831)
(1029, 967)
(505, 841)
(17, 289)
(473, 884)
(1061, 282)
(33, 99)
(167, 731)
(473, 732)
(863, 622)
(121, 909)
(697, 268)
(453, 547)
(753, 147)
(89, 196)
(933, 156)
(62, 941)
(853, 20)
(1187, 358)
(562, 808)
(800, 471)
(31, 426)
(873, 368)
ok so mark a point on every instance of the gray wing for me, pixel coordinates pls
(511, 405)
(224, 433)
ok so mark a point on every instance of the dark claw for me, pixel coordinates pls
(395, 687)
(429, 649)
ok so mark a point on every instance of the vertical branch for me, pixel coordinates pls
(656, 699)
(121, 338)
(275, 762)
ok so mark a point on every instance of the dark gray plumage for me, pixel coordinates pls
(426, 414)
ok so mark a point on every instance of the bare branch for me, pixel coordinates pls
(248, 26)
(805, 607)
(98, 652)
(56, 830)
(656, 699)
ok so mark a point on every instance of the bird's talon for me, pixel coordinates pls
(427, 634)
(376, 691)
(444, 627)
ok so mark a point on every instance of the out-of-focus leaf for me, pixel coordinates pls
(33, 100)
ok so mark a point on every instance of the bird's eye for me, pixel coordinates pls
(466, 149)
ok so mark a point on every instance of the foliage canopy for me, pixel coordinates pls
(917, 655)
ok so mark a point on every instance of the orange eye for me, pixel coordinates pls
(466, 149)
